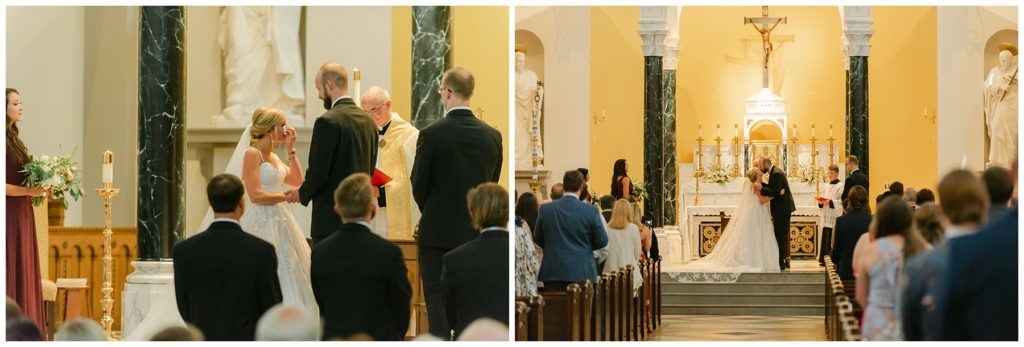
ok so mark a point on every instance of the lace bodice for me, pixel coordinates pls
(271, 176)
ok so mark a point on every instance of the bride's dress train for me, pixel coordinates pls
(747, 244)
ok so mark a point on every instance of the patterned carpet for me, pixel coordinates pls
(740, 328)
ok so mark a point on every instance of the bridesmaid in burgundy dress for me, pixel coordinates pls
(23, 276)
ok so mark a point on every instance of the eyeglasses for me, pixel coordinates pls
(375, 109)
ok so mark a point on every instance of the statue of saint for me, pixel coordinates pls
(1001, 108)
(262, 62)
(526, 94)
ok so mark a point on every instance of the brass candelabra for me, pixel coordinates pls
(793, 155)
(107, 192)
(831, 145)
(814, 163)
(735, 156)
(700, 169)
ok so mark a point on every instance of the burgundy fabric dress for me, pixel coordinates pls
(24, 283)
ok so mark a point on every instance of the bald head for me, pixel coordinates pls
(332, 80)
(459, 82)
(377, 102)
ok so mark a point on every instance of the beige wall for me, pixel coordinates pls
(45, 62)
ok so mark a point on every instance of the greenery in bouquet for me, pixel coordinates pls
(640, 191)
(60, 175)
(717, 173)
(809, 175)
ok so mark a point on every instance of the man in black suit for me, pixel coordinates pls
(781, 205)
(856, 178)
(475, 275)
(225, 278)
(452, 155)
(359, 279)
(344, 142)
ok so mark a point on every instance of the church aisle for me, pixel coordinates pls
(740, 328)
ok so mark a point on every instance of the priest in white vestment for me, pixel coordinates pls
(398, 213)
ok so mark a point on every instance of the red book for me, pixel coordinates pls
(379, 178)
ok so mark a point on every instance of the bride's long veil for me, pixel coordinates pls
(235, 168)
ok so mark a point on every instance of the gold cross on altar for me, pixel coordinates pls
(767, 25)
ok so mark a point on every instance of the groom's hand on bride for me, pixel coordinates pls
(292, 196)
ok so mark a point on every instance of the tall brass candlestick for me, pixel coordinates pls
(793, 154)
(107, 303)
(718, 151)
(700, 169)
(735, 156)
(814, 163)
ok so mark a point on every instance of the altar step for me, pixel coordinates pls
(753, 294)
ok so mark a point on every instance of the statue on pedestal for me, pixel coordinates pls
(527, 92)
(262, 62)
(1001, 108)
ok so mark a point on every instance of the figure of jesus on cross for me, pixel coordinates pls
(767, 25)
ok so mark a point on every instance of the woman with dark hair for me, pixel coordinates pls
(880, 270)
(585, 195)
(622, 186)
(24, 282)
(849, 228)
(527, 209)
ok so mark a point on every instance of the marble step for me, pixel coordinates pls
(743, 310)
(743, 299)
(745, 287)
(768, 277)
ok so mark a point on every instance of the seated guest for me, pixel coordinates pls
(557, 190)
(925, 195)
(177, 333)
(80, 329)
(23, 329)
(928, 219)
(849, 228)
(624, 242)
(485, 329)
(474, 279)
(13, 310)
(606, 202)
(977, 298)
(359, 279)
(289, 323)
(999, 183)
(570, 231)
(879, 270)
(964, 206)
(221, 292)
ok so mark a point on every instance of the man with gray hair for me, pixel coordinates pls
(397, 212)
(289, 323)
(80, 329)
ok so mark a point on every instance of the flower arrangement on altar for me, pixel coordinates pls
(809, 175)
(640, 191)
(58, 174)
(716, 173)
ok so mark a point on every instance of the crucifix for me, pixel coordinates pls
(767, 25)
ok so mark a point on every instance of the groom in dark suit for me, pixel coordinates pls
(454, 154)
(344, 142)
(781, 208)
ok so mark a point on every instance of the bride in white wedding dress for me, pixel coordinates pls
(748, 242)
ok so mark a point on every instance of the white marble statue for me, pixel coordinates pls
(1001, 110)
(526, 90)
(262, 62)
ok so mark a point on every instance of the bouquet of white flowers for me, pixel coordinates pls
(57, 174)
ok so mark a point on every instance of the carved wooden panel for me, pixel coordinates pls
(77, 252)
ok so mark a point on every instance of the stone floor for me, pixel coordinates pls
(740, 328)
(801, 265)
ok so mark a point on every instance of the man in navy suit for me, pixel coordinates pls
(569, 231)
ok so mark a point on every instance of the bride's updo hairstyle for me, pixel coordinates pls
(754, 175)
(263, 122)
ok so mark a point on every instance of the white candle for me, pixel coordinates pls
(829, 129)
(700, 130)
(108, 173)
(718, 130)
(356, 91)
(812, 129)
(735, 130)
(794, 129)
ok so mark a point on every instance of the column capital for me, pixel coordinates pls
(857, 30)
(653, 30)
(671, 60)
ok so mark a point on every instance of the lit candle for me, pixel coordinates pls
(794, 129)
(718, 130)
(735, 130)
(108, 167)
(356, 77)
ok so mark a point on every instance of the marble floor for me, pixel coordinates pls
(740, 328)
(802, 265)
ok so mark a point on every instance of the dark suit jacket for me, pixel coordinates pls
(569, 231)
(344, 142)
(924, 271)
(453, 155)
(782, 204)
(474, 281)
(361, 285)
(224, 280)
(849, 227)
(856, 178)
(607, 216)
(977, 299)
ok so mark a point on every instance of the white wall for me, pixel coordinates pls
(565, 34)
(962, 34)
(45, 63)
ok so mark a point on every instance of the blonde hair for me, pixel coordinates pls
(354, 196)
(753, 175)
(636, 214)
(622, 215)
(488, 205)
(263, 122)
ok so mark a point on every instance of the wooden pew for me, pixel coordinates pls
(535, 317)
(629, 319)
(585, 308)
(522, 317)
(597, 309)
(608, 306)
(561, 314)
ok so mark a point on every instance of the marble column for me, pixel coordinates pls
(669, 161)
(653, 32)
(161, 204)
(857, 34)
(431, 56)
